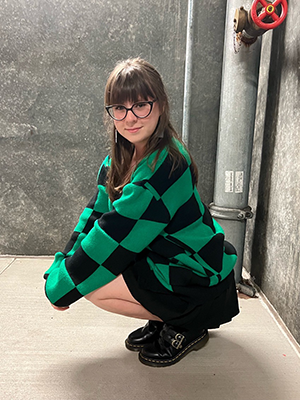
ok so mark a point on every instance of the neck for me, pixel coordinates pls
(138, 153)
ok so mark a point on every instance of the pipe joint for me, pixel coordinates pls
(232, 214)
(244, 25)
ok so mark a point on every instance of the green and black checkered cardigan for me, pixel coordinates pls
(157, 212)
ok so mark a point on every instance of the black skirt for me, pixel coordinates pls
(211, 307)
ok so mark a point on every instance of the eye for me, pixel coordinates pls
(141, 105)
(118, 108)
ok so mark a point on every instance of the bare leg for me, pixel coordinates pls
(116, 298)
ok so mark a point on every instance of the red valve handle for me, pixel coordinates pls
(269, 9)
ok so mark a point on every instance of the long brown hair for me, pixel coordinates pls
(135, 80)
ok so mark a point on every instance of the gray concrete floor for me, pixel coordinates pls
(80, 353)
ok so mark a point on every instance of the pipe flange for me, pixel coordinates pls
(232, 214)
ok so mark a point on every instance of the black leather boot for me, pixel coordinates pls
(145, 335)
(172, 346)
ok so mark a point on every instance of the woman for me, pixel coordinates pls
(146, 246)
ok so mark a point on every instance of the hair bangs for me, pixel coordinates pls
(130, 85)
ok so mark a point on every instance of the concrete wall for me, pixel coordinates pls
(55, 59)
(272, 241)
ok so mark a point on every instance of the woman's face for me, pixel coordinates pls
(138, 130)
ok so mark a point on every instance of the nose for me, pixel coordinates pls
(130, 117)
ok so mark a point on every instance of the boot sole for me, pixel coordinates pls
(133, 347)
(197, 344)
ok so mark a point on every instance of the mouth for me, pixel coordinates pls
(133, 130)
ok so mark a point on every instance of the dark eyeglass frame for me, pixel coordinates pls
(108, 108)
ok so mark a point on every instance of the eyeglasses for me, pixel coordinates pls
(141, 110)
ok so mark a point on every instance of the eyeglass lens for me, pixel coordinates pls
(140, 110)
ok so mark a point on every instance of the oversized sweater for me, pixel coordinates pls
(160, 214)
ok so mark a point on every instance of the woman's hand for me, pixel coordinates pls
(59, 308)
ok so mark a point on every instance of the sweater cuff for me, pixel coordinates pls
(59, 257)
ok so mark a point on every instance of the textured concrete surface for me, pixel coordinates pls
(55, 59)
(272, 244)
(209, 25)
(80, 353)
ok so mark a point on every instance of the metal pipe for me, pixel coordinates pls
(235, 136)
(188, 73)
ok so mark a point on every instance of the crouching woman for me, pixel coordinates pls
(145, 245)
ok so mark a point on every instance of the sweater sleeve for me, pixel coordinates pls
(137, 218)
(97, 206)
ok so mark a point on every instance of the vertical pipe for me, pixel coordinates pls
(188, 73)
(235, 136)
